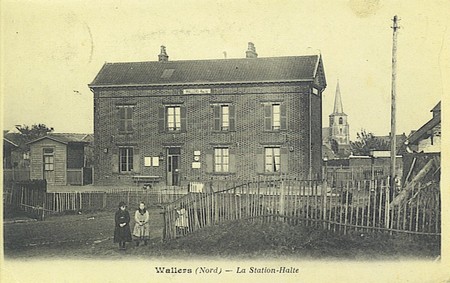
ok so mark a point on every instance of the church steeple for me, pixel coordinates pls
(339, 128)
(338, 109)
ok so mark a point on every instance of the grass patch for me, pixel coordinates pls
(250, 239)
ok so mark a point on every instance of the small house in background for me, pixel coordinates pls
(8, 148)
(15, 158)
(427, 139)
(17, 152)
(61, 159)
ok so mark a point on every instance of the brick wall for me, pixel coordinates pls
(246, 143)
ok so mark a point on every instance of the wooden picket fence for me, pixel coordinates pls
(38, 202)
(352, 205)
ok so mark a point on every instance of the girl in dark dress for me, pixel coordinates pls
(122, 232)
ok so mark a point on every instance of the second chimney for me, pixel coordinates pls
(163, 55)
(251, 51)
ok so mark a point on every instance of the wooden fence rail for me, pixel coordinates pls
(38, 201)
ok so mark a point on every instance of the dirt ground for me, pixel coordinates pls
(89, 236)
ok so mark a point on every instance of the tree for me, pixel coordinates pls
(366, 142)
(28, 133)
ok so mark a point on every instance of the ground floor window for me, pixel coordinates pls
(272, 159)
(221, 160)
(126, 159)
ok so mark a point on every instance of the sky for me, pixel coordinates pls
(51, 51)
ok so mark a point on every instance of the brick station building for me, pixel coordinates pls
(196, 120)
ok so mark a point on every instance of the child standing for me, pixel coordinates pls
(141, 231)
(181, 223)
(122, 233)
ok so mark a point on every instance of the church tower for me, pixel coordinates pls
(339, 130)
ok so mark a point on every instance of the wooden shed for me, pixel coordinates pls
(60, 159)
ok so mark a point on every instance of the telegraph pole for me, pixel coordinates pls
(394, 70)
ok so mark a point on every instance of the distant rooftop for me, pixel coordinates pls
(66, 138)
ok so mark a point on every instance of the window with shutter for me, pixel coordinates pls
(126, 159)
(267, 117)
(232, 118)
(283, 116)
(173, 117)
(272, 159)
(209, 160)
(284, 155)
(221, 160)
(183, 119)
(115, 161)
(216, 116)
(125, 118)
(161, 119)
(275, 117)
(136, 160)
(223, 116)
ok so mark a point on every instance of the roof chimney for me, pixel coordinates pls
(251, 51)
(163, 55)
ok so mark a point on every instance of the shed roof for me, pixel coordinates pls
(423, 132)
(65, 138)
(10, 142)
(14, 138)
(288, 68)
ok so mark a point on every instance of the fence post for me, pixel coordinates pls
(387, 203)
(282, 197)
(324, 203)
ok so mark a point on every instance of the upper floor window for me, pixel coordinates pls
(275, 117)
(172, 118)
(125, 118)
(341, 121)
(223, 117)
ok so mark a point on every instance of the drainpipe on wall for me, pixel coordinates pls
(310, 138)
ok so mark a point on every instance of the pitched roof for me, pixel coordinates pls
(10, 142)
(328, 153)
(13, 137)
(65, 138)
(436, 108)
(289, 68)
(423, 132)
(338, 109)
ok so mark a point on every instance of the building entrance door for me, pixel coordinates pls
(173, 166)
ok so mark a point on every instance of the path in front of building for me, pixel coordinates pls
(80, 235)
